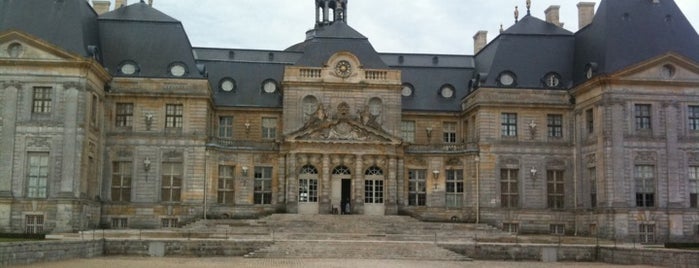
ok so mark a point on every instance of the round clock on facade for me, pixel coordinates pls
(343, 68)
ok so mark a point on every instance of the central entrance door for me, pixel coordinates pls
(341, 188)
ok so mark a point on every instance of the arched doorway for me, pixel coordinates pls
(374, 191)
(308, 190)
(341, 188)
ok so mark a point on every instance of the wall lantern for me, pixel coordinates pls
(435, 177)
(247, 128)
(245, 171)
(533, 172)
(429, 132)
(146, 164)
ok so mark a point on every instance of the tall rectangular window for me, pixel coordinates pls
(373, 191)
(94, 110)
(41, 100)
(121, 181)
(263, 185)
(509, 125)
(407, 130)
(225, 127)
(226, 189)
(590, 121)
(124, 115)
(173, 115)
(171, 189)
(34, 224)
(645, 185)
(555, 188)
(642, 116)
(269, 128)
(592, 173)
(693, 186)
(693, 117)
(646, 233)
(555, 125)
(38, 175)
(449, 132)
(455, 188)
(509, 188)
(417, 187)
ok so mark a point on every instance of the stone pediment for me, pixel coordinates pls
(668, 67)
(21, 46)
(342, 131)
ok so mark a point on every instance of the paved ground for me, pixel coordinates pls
(138, 262)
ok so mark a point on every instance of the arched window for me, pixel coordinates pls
(309, 169)
(342, 170)
(374, 171)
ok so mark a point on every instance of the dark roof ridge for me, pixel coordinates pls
(138, 12)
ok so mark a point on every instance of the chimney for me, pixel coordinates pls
(120, 3)
(553, 15)
(101, 6)
(586, 12)
(480, 40)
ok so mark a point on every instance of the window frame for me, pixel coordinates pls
(693, 179)
(262, 191)
(645, 188)
(225, 191)
(37, 180)
(509, 195)
(373, 191)
(42, 102)
(642, 116)
(121, 171)
(590, 120)
(646, 233)
(454, 188)
(555, 189)
(225, 127)
(34, 224)
(693, 117)
(508, 125)
(269, 133)
(449, 131)
(417, 187)
(174, 116)
(123, 115)
(172, 182)
(407, 130)
(555, 125)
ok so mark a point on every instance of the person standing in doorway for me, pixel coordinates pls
(347, 207)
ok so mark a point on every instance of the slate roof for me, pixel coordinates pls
(627, 32)
(143, 35)
(530, 49)
(70, 24)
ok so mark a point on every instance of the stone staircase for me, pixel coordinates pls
(357, 250)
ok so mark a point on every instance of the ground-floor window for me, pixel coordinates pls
(308, 190)
(510, 227)
(226, 189)
(455, 188)
(34, 224)
(263, 185)
(417, 189)
(373, 191)
(120, 223)
(557, 229)
(646, 233)
(169, 222)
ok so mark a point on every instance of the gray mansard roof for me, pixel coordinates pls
(70, 24)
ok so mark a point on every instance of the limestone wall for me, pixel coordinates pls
(46, 251)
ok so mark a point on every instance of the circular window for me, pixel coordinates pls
(178, 70)
(552, 80)
(15, 50)
(128, 68)
(667, 72)
(269, 86)
(407, 90)
(507, 79)
(227, 84)
(447, 91)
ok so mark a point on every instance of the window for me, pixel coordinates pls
(34, 224)
(509, 124)
(646, 233)
(38, 173)
(173, 115)
(41, 103)
(590, 121)
(555, 188)
(308, 184)
(373, 191)
(269, 128)
(120, 223)
(263, 185)
(509, 188)
(124, 114)
(642, 116)
(225, 127)
(226, 189)
(693, 114)
(121, 181)
(555, 125)
(172, 182)
(407, 130)
(557, 229)
(510, 227)
(417, 189)
(455, 188)
(449, 132)
(592, 173)
(645, 186)
(693, 186)
(169, 222)
(94, 110)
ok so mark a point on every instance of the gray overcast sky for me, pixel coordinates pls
(408, 26)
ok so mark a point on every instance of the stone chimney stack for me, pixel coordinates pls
(480, 40)
(586, 12)
(120, 3)
(553, 15)
(101, 6)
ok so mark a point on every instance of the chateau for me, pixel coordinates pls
(111, 119)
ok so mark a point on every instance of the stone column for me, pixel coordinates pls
(69, 187)
(324, 186)
(390, 187)
(400, 184)
(282, 181)
(292, 185)
(358, 185)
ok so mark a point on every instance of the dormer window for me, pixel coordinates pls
(447, 91)
(178, 69)
(227, 84)
(129, 68)
(407, 90)
(552, 80)
(269, 86)
(507, 79)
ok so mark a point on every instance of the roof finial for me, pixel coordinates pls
(516, 14)
(150, 2)
(529, 6)
(502, 30)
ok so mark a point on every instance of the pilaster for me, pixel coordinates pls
(71, 158)
(8, 115)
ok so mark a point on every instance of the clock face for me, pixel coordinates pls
(343, 68)
(269, 87)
